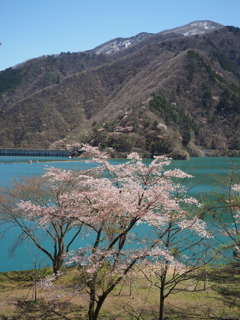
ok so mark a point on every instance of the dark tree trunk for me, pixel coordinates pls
(161, 305)
(92, 296)
(98, 308)
(162, 291)
(57, 265)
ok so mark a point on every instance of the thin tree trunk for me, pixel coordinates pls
(162, 291)
(35, 281)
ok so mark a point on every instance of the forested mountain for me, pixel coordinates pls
(174, 92)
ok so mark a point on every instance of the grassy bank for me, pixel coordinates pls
(133, 299)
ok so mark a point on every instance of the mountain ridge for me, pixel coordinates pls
(167, 93)
(192, 28)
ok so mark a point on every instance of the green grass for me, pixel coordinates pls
(132, 299)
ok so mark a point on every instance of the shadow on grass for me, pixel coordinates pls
(41, 310)
(183, 314)
(225, 282)
(230, 296)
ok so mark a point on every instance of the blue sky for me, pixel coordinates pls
(32, 28)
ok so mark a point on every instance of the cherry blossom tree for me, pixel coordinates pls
(226, 213)
(116, 206)
(232, 229)
(184, 247)
(119, 206)
(34, 205)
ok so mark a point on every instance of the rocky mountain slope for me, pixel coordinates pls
(174, 92)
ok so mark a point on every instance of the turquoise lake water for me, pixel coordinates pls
(206, 171)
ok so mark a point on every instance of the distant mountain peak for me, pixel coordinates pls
(192, 28)
(195, 27)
